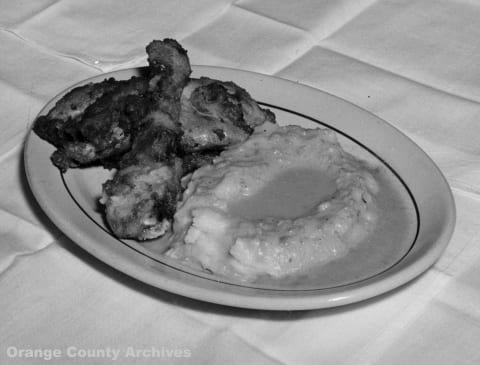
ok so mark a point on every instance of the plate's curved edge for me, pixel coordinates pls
(394, 280)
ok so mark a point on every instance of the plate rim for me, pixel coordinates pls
(394, 277)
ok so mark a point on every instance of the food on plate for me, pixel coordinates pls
(92, 123)
(174, 138)
(218, 114)
(140, 199)
(201, 165)
(162, 124)
(284, 201)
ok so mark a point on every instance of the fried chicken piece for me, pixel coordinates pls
(156, 136)
(70, 108)
(141, 198)
(170, 72)
(216, 114)
(102, 131)
(160, 144)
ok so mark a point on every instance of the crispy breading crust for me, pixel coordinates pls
(100, 130)
(141, 199)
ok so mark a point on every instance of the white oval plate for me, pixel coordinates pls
(70, 200)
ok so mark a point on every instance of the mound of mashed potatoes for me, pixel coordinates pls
(284, 202)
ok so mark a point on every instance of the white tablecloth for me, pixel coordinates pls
(413, 63)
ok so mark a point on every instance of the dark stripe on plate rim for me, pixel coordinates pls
(262, 288)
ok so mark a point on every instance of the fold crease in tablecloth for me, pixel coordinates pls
(320, 21)
(12, 14)
(21, 238)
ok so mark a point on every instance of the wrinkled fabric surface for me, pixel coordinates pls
(412, 63)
